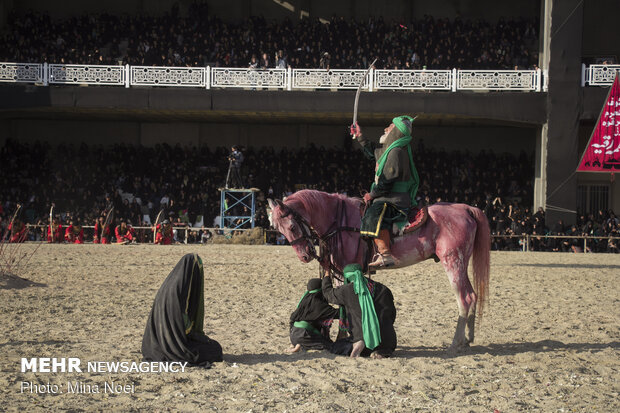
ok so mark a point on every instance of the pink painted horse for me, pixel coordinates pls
(453, 233)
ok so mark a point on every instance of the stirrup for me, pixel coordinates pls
(382, 261)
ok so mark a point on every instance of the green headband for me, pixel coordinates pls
(398, 122)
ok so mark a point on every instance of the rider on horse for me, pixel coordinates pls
(394, 190)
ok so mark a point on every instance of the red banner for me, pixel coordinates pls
(602, 153)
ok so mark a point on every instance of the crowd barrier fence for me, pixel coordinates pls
(270, 236)
(45, 74)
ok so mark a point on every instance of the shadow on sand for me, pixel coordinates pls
(14, 282)
(560, 265)
(503, 349)
(262, 358)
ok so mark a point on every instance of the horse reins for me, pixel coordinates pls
(310, 234)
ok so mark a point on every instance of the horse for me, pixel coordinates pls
(453, 233)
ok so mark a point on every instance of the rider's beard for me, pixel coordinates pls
(383, 138)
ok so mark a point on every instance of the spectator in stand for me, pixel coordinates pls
(200, 38)
(265, 63)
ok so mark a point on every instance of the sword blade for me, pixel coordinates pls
(359, 89)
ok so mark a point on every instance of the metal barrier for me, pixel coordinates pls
(294, 79)
(599, 75)
(414, 79)
(284, 79)
(86, 75)
(525, 80)
(525, 240)
(21, 72)
(168, 76)
(271, 235)
(228, 77)
(330, 79)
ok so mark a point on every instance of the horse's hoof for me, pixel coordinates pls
(458, 348)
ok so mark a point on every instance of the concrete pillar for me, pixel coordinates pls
(564, 107)
(540, 169)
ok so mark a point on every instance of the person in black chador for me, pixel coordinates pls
(174, 330)
(310, 322)
(370, 311)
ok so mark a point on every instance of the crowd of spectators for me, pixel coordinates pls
(82, 181)
(198, 38)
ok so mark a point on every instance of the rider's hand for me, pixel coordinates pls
(367, 198)
(355, 130)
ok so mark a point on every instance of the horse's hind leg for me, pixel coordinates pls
(466, 301)
(471, 323)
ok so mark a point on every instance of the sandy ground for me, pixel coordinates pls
(550, 340)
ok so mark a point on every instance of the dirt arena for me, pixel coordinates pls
(550, 340)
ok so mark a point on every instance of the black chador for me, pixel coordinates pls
(174, 331)
(384, 306)
(309, 325)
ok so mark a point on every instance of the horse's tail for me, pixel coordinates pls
(481, 258)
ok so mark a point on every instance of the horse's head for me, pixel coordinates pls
(294, 227)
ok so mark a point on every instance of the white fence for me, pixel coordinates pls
(21, 72)
(294, 79)
(86, 75)
(229, 77)
(414, 79)
(330, 79)
(168, 76)
(599, 75)
(498, 80)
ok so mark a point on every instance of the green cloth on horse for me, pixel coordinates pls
(370, 323)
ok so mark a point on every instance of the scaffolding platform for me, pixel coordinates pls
(237, 207)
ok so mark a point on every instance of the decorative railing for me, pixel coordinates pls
(226, 77)
(413, 79)
(294, 79)
(599, 75)
(87, 75)
(330, 79)
(498, 80)
(21, 72)
(168, 76)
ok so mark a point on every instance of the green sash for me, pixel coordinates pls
(410, 186)
(304, 324)
(370, 322)
(306, 293)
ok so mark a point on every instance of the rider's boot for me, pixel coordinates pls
(384, 258)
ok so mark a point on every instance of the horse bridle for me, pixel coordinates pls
(310, 235)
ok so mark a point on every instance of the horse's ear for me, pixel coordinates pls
(280, 203)
(272, 204)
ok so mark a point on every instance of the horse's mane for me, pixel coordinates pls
(312, 200)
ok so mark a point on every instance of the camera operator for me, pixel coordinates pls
(234, 172)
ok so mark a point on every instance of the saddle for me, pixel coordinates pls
(416, 219)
